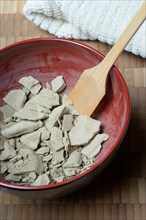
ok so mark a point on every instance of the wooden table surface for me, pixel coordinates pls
(120, 192)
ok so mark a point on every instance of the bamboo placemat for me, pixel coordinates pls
(120, 192)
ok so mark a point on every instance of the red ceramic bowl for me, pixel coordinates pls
(44, 59)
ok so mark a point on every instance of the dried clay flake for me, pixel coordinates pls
(20, 128)
(94, 147)
(41, 180)
(15, 99)
(31, 84)
(84, 130)
(58, 84)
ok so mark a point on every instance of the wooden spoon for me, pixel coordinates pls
(91, 86)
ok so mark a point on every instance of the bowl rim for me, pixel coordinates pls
(112, 149)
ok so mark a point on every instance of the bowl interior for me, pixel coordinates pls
(44, 59)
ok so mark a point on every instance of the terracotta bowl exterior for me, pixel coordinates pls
(46, 58)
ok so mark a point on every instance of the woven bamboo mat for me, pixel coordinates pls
(120, 192)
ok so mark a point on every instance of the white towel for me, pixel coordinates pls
(102, 20)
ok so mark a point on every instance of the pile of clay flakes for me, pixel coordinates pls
(44, 138)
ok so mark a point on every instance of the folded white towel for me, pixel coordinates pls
(103, 20)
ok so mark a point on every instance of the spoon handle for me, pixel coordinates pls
(121, 43)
